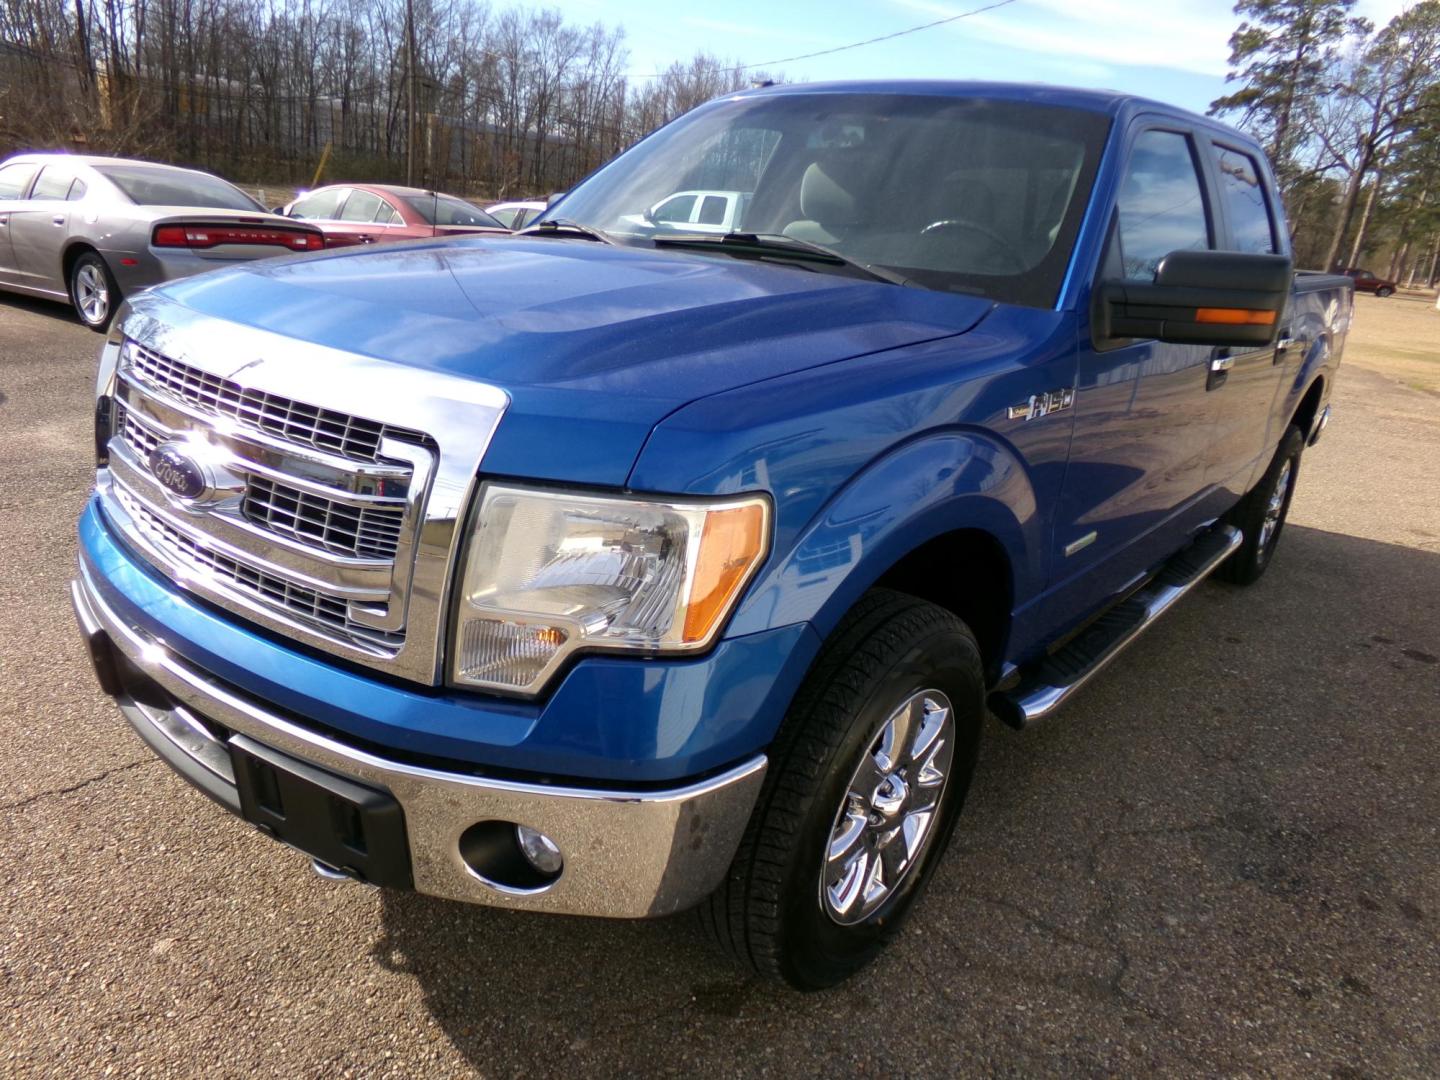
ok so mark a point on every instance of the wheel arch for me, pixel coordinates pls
(1309, 408)
(71, 253)
(951, 518)
(982, 597)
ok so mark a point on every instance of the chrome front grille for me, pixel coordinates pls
(327, 612)
(282, 417)
(306, 512)
(313, 492)
(367, 532)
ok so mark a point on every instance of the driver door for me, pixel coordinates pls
(1144, 419)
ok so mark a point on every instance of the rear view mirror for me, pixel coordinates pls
(1200, 298)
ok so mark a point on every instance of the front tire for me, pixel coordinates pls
(866, 780)
(1384, 292)
(1261, 515)
(93, 291)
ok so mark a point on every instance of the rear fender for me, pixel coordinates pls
(944, 481)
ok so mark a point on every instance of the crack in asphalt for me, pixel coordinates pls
(54, 792)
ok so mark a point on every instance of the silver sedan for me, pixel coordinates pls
(94, 230)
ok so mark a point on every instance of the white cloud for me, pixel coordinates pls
(1183, 35)
(1381, 12)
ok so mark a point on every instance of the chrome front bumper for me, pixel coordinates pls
(626, 854)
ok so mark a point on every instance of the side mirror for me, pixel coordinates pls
(648, 215)
(278, 210)
(1200, 298)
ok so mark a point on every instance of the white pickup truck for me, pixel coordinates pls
(695, 211)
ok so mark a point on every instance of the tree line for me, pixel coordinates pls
(511, 102)
(1350, 115)
(446, 93)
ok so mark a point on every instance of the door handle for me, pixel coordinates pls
(1220, 365)
(4, 219)
(1283, 346)
(58, 219)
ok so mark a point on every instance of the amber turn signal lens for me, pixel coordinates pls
(730, 545)
(1234, 316)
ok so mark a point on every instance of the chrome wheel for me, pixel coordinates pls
(1274, 509)
(890, 808)
(92, 293)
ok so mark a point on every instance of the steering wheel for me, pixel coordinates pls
(988, 233)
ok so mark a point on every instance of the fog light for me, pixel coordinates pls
(539, 849)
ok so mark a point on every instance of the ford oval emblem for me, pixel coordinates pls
(176, 472)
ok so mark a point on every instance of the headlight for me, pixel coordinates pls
(548, 573)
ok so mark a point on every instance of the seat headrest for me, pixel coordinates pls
(823, 199)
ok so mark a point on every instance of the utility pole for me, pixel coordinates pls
(411, 84)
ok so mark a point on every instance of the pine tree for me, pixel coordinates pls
(1279, 52)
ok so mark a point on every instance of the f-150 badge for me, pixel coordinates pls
(1043, 404)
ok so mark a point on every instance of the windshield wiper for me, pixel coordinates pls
(563, 226)
(739, 243)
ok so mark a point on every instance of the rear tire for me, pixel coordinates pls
(1384, 292)
(93, 291)
(1261, 514)
(866, 780)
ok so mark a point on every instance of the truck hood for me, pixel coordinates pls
(595, 344)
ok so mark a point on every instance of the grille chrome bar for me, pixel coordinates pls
(293, 421)
(287, 459)
(325, 611)
(366, 581)
(312, 513)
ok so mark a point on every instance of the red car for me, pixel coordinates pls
(373, 213)
(1365, 281)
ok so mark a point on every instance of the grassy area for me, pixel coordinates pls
(1399, 337)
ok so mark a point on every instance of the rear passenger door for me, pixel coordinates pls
(1245, 393)
(39, 226)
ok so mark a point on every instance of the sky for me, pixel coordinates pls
(1172, 50)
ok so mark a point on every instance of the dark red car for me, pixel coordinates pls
(373, 213)
(1365, 281)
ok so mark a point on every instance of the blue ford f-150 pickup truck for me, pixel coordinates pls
(616, 569)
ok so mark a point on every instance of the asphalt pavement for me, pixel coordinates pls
(1224, 858)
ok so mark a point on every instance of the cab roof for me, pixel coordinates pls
(1113, 103)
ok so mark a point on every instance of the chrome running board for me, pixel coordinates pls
(1044, 689)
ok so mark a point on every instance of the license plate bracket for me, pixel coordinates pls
(352, 827)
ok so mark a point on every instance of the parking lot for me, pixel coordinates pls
(1224, 858)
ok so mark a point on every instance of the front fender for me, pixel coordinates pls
(941, 482)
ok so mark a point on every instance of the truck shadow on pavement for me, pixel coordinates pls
(58, 310)
(1216, 857)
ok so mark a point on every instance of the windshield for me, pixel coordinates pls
(966, 195)
(157, 186)
(447, 210)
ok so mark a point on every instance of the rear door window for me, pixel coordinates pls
(1246, 207)
(712, 210)
(54, 183)
(1162, 203)
(361, 206)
